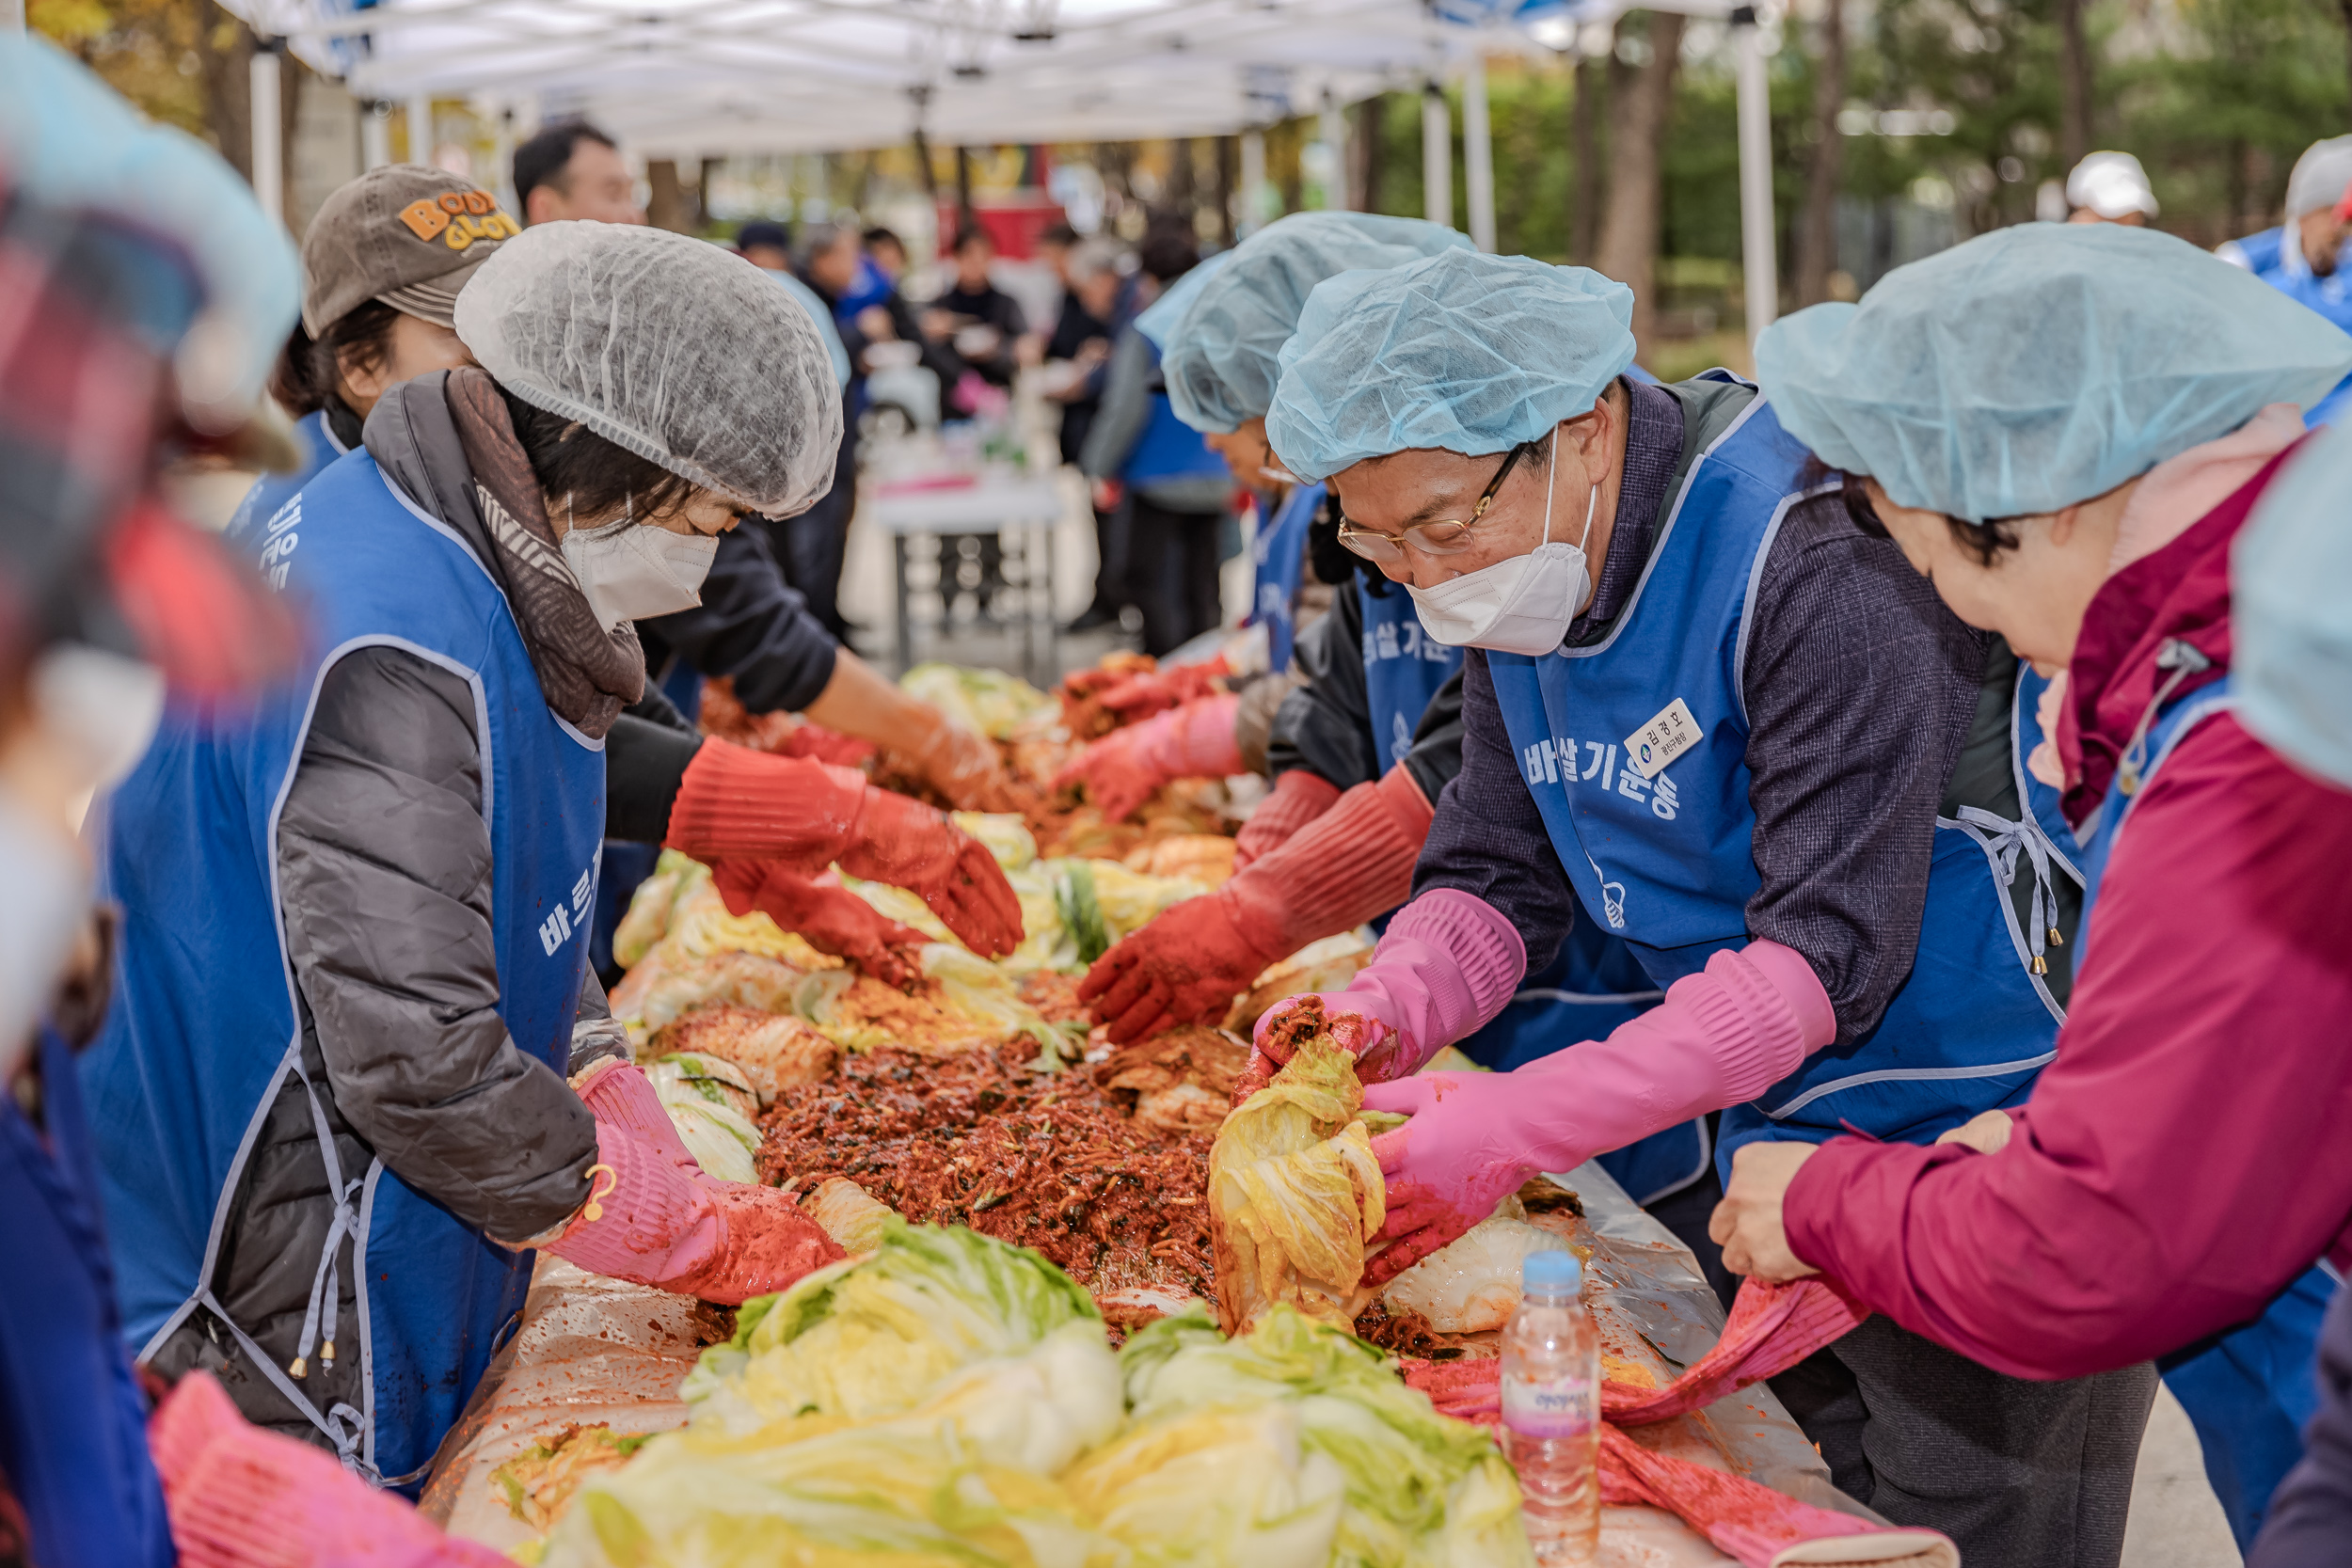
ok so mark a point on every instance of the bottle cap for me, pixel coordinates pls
(1551, 1274)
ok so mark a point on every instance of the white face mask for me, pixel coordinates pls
(631, 571)
(1520, 606)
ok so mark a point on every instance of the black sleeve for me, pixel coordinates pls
(1489, 838)
(753, 628)
(1860, 689)
(2310, 1517)
(644, 765)
(384, 886)
(1325, 726)
(1436, 753)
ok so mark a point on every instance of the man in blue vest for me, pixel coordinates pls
(2308, 258)
(1702, 705)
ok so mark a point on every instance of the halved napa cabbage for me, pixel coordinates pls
(1295, 1193)
(1005, 834)
(989, 701)
(720, 1137)
(1214, 1486)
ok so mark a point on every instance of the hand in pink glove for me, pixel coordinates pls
(655, 1218)
(1447, 965)
(242, 1497)
(1721, 1037)
(1121, 769)
(1299, 797)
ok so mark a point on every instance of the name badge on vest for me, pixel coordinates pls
(1649, 749)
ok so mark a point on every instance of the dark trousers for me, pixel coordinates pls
(812, 547)
(2019, 1474)
(1171, 573)
(1110, 561)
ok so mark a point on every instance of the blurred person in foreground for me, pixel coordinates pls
(160, 289)
(1140, 456)
(357, 1071)
(570, 169)
(2110, 187)
(2308, 258)
(2137, 1204)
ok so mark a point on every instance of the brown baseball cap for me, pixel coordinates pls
(405, 234)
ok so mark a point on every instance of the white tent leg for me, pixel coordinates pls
(1334, 130)
(11, 16)
(421, 128)
(1758, 259)
(269, 174)
(1478, 155)
(375, 134)
(1252, 184)
(1436, 155)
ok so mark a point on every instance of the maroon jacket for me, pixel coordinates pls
(2185, 1157)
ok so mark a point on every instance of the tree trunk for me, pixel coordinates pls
(666, 203)
(1228, 177)
(1364, 150)
(2075, 83)
(1183, 196)
(922, 165)
(963, 184)
(1628, 250)
(1817, 237)
(1583, 147)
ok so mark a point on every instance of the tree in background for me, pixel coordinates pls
(1629, 226)
(1817, 224)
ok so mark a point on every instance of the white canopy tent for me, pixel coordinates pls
(693, 78)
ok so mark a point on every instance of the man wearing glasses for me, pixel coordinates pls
(1700, 700)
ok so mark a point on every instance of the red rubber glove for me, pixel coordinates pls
(964, 765)
(1186, 966)
(242, 1497)
(649, 1221)
(736, 803)
(1121, 769)
(831, 919)
(1170, 686)
(1299, 797)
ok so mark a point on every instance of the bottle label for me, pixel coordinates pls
(1555, 1407)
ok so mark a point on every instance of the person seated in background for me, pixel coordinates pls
(571, 169)
(2110, 187)
(981, 323)
(888, 252)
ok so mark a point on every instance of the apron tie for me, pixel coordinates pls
(2183, 661)
(326, 1286)
(2004, 839)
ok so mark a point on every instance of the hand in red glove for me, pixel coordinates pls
(1121, 769)
(830, 919)
(242, 1497)
(963, 764)
(1188, 964)
(1170, 686)
(1299, 797)
(907, 843)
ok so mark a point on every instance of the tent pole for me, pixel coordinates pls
(1478, 154)
(1334, 132)
(1758, 249)
(1437, 154)
(269, 169)
(1252, 182)
(376, 134)
(419, 128)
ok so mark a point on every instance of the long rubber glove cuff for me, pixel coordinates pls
(1300, 794)
(1354, 862)
(735, 802)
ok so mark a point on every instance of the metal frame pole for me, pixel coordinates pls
(421, 128)
(1478, 154)
(1437, 154)
(1334, 129)
(1759, 252)
(269, 169)
(1252, 182)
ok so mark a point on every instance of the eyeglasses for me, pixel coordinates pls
(1439, 538)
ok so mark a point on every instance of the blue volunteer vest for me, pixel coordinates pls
(203, 1031)
(1168, 448)
(2277, 258)
(319, 448)
(1280, 557)
(2249, 1391)
(1404, 667)
(72, 1424)
(1663, 857)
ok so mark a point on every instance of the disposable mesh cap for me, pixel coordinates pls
(1464, 351)
(2291, 613)
(682, 352)
(2322, 176)
(2040, 366)
(1221, 358)
(1159, 320)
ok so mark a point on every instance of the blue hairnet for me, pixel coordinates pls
(69, 140)
(2290, 582)
(1159, 322)
(1468, 352)
(2040, 366)
(1220, 360)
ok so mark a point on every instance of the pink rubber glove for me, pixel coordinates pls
(1447, 965)
(1121, 769)
(1299, 797)
(242, 1497)
(1188, 965)
(652, 1223)
(1721, 1037)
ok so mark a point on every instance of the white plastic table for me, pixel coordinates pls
(1023, 513)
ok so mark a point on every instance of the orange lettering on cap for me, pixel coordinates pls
(477, 204)
(424, 220)
(453, 202)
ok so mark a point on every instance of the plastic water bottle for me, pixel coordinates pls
(1552, 1410)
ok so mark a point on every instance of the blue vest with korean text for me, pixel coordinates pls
(1404, 667)
(1662, 854)
(1281, 558)
(204, 1031)
(316, 441)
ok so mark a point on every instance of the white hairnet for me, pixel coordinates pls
(2320, 178)
(1468, 352)
(2291, 587)
(1220, 361)
(685, 355)
(2042, 365)
(2110, 185)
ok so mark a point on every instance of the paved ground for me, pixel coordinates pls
(2176, 1521)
